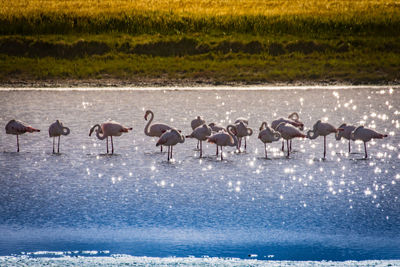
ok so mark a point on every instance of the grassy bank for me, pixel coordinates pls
(206, 41)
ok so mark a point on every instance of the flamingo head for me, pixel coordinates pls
(147, 114)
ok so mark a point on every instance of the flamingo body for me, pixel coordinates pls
(17, 128)
(366, 135)
(170, 138)
(322, 129)
(216, 128)
(346, 133)
(224, 139)
(267, 135)
(288, 132)
(57, 129)
(201, 133)
(109, 129)
(197, 122)
(241, 130)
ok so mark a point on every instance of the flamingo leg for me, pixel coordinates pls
(169, 148)
(58, 146)
(217, 151)
(222, 158)
(171, 151)
(349, 145)
(201, 148)
(245, 143)
(283, 145)
(17, 143)
(290, 145)
(324, 146)
(161, 149)
(365, 149)
(265, 149)
(112, 146)
(107, 144)
(287, 144)
(198, 141)
(53, 144)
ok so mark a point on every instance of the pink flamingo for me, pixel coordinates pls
(170, 138)
(109, 129)
(224, 139)
(346, 133)
(292, 119)
(17, 127)
(288, 132)
(58, 129)
(267, 135)
(196, 123)
(323, 129)
(201, 133)
(241, 130)
(365, 135)
(155, 130)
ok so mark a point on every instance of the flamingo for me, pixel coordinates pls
(245, 121)
(241, 130)
(18, 127)
(323, 129)
(155, 130)
(346, 133)
(288, 132)
(196, 123)
(216, 127)
(224, 139)
(365, 135)
(57, 129)
(109, 129)
(170, 138)
(201, 133)
(292, 119)
(267, 135)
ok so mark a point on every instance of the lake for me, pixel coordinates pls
(135, 203)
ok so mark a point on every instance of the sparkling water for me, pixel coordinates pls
(83, 202)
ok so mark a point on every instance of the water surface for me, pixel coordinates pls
(137, 203)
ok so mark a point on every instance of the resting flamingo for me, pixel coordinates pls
(288, 132)
(170, 138)
(365, 135)
(241, 130)
(155, 130)
(216, 127)
(196, 123)
(224, 139)
(17, 127)
(267, 135)
(109, 129)
(58, 129)
(201, 133)
(292, 119)
(322, 129)
(346, 133)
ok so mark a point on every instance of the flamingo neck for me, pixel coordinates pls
(235, 140)
(146, 129)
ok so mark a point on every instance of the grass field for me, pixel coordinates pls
(218, 41)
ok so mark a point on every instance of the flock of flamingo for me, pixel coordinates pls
(232, 135)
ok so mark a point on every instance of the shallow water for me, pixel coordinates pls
(136, 203)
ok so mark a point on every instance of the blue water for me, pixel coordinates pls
(137, 203)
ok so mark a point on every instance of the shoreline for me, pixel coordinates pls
(198, 83)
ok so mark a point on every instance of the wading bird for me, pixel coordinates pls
(18, 127)
(216, 127)
(241, 130)
(293, 119)
(201, 133)
(288, 132)
(365, 135)
(170, 138)
(57, 129)
(196, 123)
(224, 139)
(109, 129)
(322, 129)
(155, 130)
(267, 135)
(346, 133)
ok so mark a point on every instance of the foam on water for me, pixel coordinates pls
(136, 203)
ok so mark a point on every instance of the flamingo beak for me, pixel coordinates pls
(339, 129)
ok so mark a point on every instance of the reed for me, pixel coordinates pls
(312, 17)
